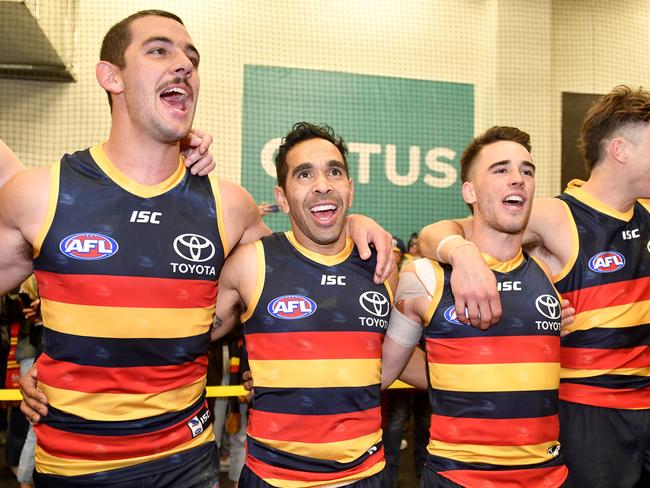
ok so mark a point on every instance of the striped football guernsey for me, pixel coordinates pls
(127, 275)
(606, 358)
(494, 393)
(313, 332)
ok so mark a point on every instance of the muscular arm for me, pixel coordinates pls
(9, 164)
(242, 219)
(472, 283)
(365, 231)
(23, 205)
(236, 286)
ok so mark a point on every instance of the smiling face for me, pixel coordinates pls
(501, 186)
(317, 195)
(160, 81)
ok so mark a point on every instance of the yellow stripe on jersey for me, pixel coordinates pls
(435, 299)
(315, 373)
(503, 266)
(574, 188)
(499, 455)
(133, 187)
(617, 317)
(49, 464)
(122, 406)
(123, 322)
(495, 377)
(376, 468)
(575, 245)
(55, 172)
(214, 183)
(259, 282)
(588, 373)
(342, 451)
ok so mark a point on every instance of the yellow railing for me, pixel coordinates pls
(212, 391)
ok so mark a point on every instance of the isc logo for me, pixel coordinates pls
(88, 247)
(607, 262)
(291, 307)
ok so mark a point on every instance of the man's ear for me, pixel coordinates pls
(467, 190)
(281, 198)
(109, 77)
(351, 199)
(619, 149)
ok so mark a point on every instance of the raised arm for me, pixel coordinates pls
(473, 284)
(365, 231)
(23, 205)
(241, 216)
(9, 163)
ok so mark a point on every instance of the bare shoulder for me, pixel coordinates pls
(25, 196)
(9, 163)
(242, 220)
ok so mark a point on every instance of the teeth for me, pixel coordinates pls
(179, 91)
(323, 208)
(514, 198)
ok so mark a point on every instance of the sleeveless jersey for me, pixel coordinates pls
(127, 275)
(494, 393)
(606, 358)
(313, 334)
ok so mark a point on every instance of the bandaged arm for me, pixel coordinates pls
(404, 329)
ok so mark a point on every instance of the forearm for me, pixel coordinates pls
(437, 241)
(415, 372)
(394, 358)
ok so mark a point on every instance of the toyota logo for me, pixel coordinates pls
(375, 303)
(548, 306)
(194, 247)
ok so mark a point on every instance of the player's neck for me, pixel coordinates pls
(611, 189)
(500, 245)
(140, 157)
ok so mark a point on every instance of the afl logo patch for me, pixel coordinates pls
(291, 307)
(88, 246)
(450, 316)
(607, 262)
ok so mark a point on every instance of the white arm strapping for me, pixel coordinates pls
(403, 330)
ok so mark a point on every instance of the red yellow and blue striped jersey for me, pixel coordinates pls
(313, 334)
(606, 358)
(128, 280)
(494, 393)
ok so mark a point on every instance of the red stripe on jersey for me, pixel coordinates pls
(69, 445)
(314, 345)
(550, 477)
(609, 295)
(266, 471)
(313, 428)
(137, 379)
(126, 291)
(494, 350)
(587, 358)
(495, 432)
(605, 397)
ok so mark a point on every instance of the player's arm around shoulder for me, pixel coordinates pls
(23, 209)
(242, 220)
(404, 327)
(237, 284)
(549, 234)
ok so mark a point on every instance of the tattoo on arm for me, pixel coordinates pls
(217, 322)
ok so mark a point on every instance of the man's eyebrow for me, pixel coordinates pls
(301, 167)
(505, 162)
(167, 40)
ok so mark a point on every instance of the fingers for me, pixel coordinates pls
(34, 404)
(568, 316)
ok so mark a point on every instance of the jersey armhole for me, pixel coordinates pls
(55, 173)
(214, 183)
(575, 245)
(259, 282)
(645, 203)
(431, 274)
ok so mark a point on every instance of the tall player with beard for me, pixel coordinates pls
(127, 247)
(494, 393)
(314, 323)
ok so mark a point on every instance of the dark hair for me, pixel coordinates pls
(490, 136)
(118, 38)
(619, 109)
(304, 131)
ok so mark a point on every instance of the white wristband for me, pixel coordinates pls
(403, 330)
